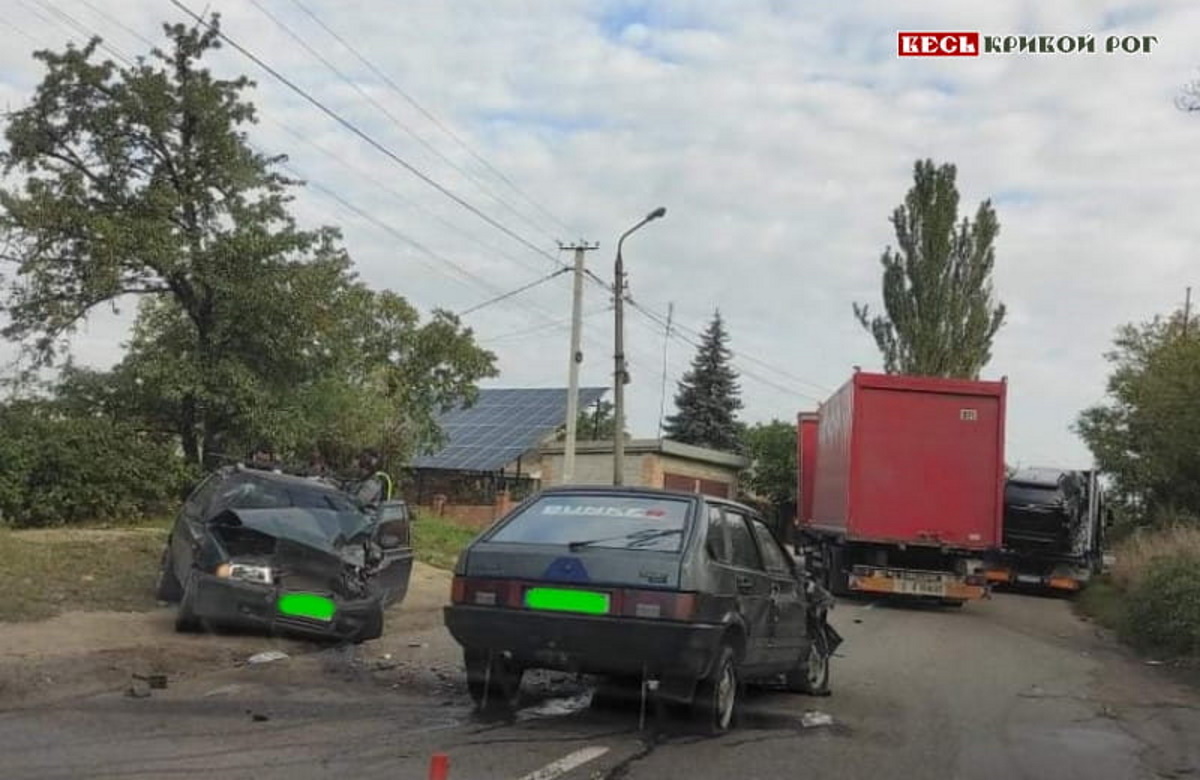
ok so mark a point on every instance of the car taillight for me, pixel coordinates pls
(664, 605)
(485, 593)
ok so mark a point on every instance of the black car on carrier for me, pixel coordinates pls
(691, 592)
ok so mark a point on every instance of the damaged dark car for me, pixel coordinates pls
(691, 595)
(284, 554)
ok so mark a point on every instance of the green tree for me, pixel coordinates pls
(595, 423)
(708, 398)
(773, 472)
(140, 181)
(1147, 434)
(937, 289)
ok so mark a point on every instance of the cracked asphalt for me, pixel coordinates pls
(1014, 687)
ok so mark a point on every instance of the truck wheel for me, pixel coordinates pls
(716, 697)
(497, 690)
(810, 675)
(167, 588)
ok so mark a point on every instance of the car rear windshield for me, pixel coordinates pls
(618, 522)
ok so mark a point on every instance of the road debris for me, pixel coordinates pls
(138, 689)
(155, 681)
(267, 657)
(257, 717)
(812, 719)
(223, 690)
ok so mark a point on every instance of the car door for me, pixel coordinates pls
(786, 611)
(186, 535)
(752, 586)
(393, 535)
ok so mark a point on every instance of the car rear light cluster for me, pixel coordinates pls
(667, 605)
(647, 604)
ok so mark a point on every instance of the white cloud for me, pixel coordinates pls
(779, 136)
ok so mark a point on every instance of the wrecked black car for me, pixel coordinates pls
(267, 551)
(689, 594)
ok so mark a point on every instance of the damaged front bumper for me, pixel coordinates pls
(231, 602)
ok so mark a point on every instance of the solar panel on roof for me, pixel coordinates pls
(502, 425)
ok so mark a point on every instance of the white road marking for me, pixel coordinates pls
(567, 763)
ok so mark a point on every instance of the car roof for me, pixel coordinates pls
(640, 490)
(280, 478)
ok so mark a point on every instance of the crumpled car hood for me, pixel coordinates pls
(325, 530)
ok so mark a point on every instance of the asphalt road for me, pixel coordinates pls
(1015, 687)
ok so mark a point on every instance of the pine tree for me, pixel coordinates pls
(709, 396)
(937, 288)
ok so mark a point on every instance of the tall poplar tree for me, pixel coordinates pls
(937, 286)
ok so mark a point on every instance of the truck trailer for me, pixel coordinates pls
(901, 483)
(1054, 522)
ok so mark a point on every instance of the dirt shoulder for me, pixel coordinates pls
(83, 652)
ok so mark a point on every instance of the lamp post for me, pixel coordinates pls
(620, 375)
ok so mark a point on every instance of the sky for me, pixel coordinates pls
(778, 136)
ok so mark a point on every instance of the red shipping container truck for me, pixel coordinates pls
(902, 485)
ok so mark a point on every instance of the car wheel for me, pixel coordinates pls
(186, 621)
(497, 688)
(372, 629)
(717, 696)
(168, 588)
(810, 675)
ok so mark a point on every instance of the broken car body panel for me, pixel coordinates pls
(246, 540)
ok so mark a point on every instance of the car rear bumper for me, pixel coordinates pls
(588, 644)
(250, 605)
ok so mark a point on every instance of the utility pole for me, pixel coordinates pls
(662, 398)
(575, 359)
(620, 375)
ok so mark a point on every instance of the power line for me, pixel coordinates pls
(401, 197)
(433, 119)
(546, 328)
(511, 293)
(353, 128)
(742, 370)
(299, 39)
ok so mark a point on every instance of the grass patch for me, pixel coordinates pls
(438, 541)
(1151, 597)
(1104, 602)
(46, 572)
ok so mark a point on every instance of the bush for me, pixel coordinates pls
(1163, 606)
(1136, 554)
(61, 469)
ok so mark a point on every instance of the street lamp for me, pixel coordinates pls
(620, 375)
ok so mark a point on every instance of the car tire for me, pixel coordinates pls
(372, 629)
(716, 701)
(186, 621)
(167, 588)
(497, 689)
(810, 675)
